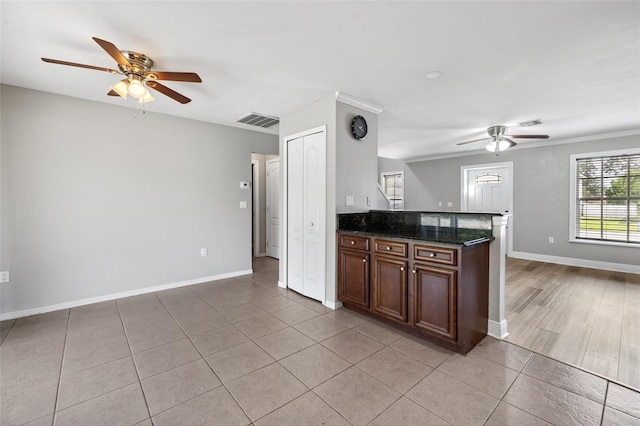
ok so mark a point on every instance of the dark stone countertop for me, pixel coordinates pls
(423, 226)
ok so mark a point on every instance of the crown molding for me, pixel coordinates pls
(359, 103)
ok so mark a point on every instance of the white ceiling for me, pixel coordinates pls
(573, 64)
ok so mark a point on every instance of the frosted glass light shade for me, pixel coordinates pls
(503, 144)
(146, 98)
(136, 89)
(121, 88)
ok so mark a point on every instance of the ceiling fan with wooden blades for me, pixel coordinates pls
(136, 67)
(498, 140)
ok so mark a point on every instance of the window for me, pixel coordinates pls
(606, 197)
(393, 187)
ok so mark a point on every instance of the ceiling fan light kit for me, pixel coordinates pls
(136, 67)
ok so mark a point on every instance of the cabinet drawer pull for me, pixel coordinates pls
(414, 271)
(388, 248)
(364, 260)
(432, 255)
(353, 242)
(402, 268)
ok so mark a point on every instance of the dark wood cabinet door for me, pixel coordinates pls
(435, 300)
(390, 288)
(353, 277)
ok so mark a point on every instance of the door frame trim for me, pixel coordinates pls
(255, 195)
(267, 206)
(464, 180)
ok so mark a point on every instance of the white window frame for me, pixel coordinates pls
(573, 196)
(383, 176)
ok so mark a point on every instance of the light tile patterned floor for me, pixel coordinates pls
(585, 317)
(242, 351)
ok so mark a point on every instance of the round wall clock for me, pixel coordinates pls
(359, 127)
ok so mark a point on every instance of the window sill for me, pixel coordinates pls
(603, 243)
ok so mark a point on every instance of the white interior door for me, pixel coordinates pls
(306, 215)
(273, 208)
(314, 213)
(489, 188)
(295, 213)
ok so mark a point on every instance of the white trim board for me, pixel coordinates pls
(113, 296)
(583, 263)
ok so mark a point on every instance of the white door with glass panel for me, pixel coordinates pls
(273, 208)
(489, 188)
(306, 215)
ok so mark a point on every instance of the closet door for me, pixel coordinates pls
(314, 211)
(306, 215)
(295, 215)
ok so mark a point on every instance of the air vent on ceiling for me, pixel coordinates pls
(530, 123)
(260, 120)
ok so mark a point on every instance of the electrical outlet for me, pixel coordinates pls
(349, 200)
(243, 204)
(203, 252)
(449, 203)
(5, 277)
(439, 203)
(551, 241)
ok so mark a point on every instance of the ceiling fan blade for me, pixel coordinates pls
(190, 77)
(73, 64)
(166, 91)
(112, 50)
(530, 136)
(474, 141)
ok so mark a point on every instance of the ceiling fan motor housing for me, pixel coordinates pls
(140, 64)
(497, 132)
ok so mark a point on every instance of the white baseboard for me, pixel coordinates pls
(113, 296)
(332, 305)
(281, 284)
(583, 263)
(498, 329)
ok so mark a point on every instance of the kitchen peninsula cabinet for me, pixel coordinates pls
(437, 291)
(353, 270)
(389, 284)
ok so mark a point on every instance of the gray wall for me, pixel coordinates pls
(540, 199)
(97, 202)
(319, 113)
(351, 166)
(356, 161)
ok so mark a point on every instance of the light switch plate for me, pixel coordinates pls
(243, 204)
(5, 277)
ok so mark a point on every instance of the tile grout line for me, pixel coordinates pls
(604, 403)
(64, 349)
(126, 335)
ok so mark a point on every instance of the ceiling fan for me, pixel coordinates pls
(136, 67)
(497, 140)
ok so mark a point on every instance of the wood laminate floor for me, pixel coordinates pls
(586, 317)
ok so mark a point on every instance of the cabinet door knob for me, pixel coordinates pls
(364, 260)
(432, 255)
(388, 248)
(414, 271)
(402, 268)
(353, 242)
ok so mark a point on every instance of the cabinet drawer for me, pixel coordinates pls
(354, 242)
(446, 256)
(394, 248)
